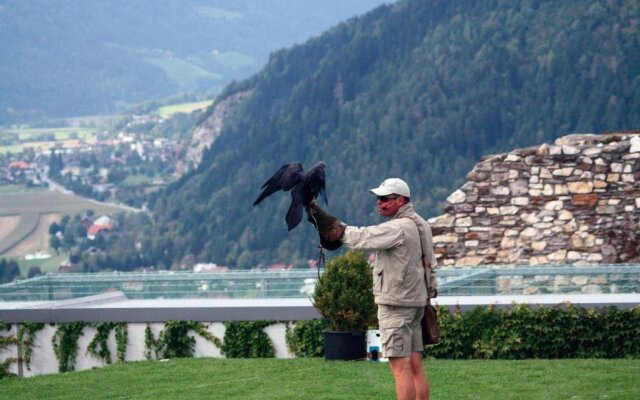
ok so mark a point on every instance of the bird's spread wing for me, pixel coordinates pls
(284, 179)
(314, 182)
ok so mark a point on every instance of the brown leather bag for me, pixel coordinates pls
(429, 322)
(430, 327)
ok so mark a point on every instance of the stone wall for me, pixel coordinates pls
(576, 201)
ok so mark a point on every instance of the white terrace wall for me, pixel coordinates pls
(576, 201)
(44, 361)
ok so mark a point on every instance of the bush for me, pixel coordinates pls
(306, 338)
(247, 339)
(516, 333)
(522, 332)
(344, 293)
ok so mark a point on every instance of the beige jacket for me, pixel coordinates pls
(398, 272)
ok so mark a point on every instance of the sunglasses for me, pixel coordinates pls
(387, 198)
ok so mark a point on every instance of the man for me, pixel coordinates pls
(404, 248)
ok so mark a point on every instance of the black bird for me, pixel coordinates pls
(304, 187)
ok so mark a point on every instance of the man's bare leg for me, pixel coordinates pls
(403, 376)
(420, 381)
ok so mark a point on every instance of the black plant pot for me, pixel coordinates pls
(344, 345)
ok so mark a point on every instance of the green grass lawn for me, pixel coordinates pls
(209, 378)
(32, 137)
(20, 188)
(136, 180)
(233, 59)
(13, 148)
(47, 265)
(183, 108)
(64, 133)
(183, 73)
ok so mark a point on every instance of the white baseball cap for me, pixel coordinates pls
(392, 186)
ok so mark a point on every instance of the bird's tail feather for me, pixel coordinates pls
(294, 215)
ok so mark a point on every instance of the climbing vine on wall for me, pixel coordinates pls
(65, 344)
(306, 339)
(150, 344)
(247, 339)
(122, 340)
(99, 345)
(6, 341)
(174, 340)
(26, 338)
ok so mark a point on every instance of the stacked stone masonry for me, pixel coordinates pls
(576, 201)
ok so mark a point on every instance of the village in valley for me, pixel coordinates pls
(117, 164)
(122, 166)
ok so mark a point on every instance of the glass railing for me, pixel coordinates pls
(536, 280)
(299, 283)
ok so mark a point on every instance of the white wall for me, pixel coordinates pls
(44, 361)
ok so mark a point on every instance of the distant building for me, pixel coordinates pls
(103, 226)
(105, 221)
(209, 267)
(18, 165)
(279, 267)
(68, 266)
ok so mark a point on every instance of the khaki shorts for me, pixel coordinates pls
(400, 330)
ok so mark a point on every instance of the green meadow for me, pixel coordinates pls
(183, 108)
(44, 138)
(66, 133)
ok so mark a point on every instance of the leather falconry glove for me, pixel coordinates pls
(329, 227)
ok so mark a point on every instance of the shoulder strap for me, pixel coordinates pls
(426, 259)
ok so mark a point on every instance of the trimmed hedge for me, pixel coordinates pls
(520, 332)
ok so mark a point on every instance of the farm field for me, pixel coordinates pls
(65, 133)
(25, 218)
(183, 108)
(41, 145)
(13, 148)
(47, 138)
(21, 230)
(7, 225)
(48, 202)
(20, 188)
(37, 239)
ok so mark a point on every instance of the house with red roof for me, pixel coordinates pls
(102, 226)
(22, 165)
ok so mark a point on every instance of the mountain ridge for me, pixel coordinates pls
(417, 89)
(68, 58)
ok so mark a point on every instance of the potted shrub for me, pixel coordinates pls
(344, 297)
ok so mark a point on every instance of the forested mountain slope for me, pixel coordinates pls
(421, 90)
(64, 58)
